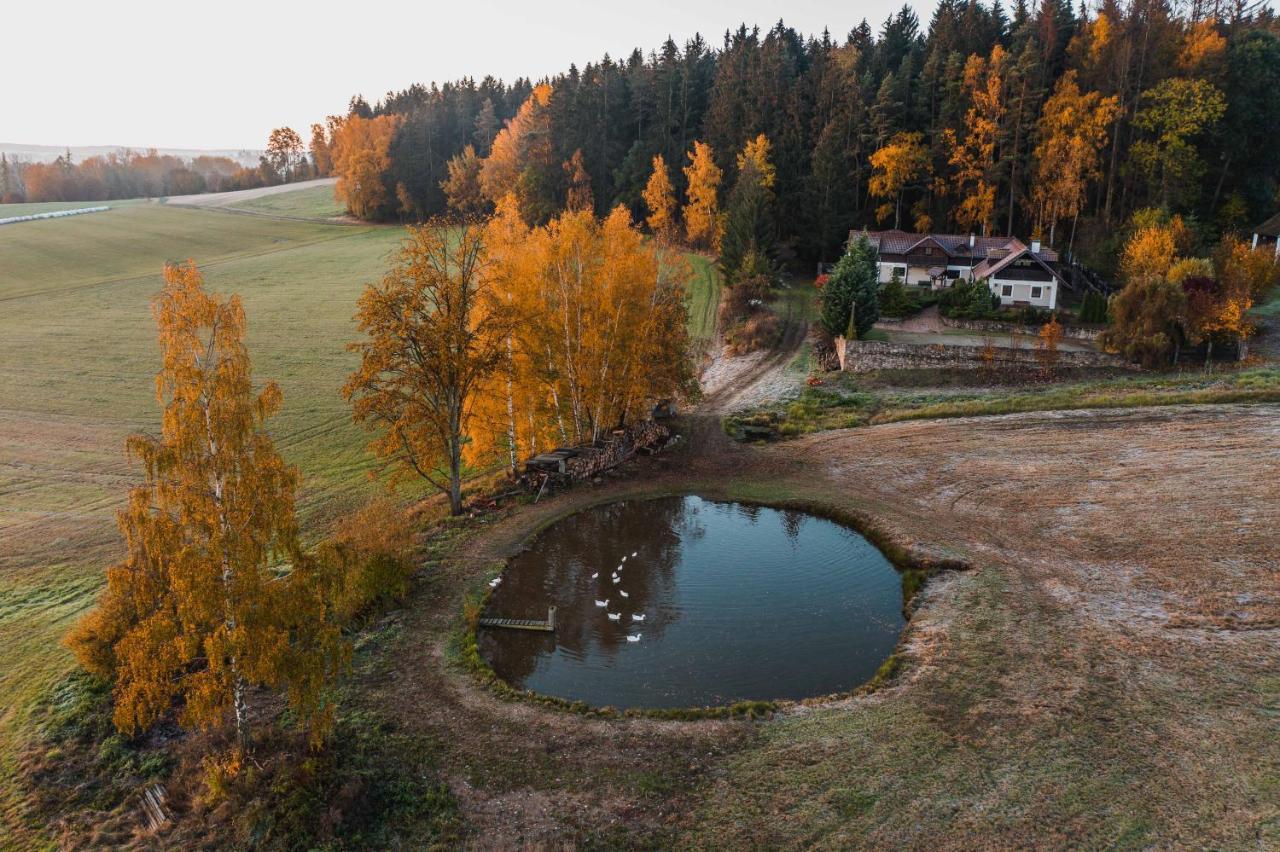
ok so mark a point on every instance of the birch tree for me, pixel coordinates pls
(214, 595)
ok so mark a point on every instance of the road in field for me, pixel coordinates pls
(231, 199)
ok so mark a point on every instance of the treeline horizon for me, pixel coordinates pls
(129, 173)
(1184, 104)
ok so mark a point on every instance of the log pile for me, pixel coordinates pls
(569, 464)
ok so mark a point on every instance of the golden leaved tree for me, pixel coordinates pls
(522, 158)
(196, 611)
(702, 221)
(435, 335)
(361, 152)
(974, 156)
(603, 330)
(462, 187)
(660, 198)
(901, 163)
(1073, 131)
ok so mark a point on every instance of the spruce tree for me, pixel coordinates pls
(850, 300)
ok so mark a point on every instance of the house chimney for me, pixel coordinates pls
(1035, 246)
(972, 240)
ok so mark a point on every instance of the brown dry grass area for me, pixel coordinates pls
(1107, 675)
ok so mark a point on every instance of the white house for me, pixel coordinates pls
(1019, 274)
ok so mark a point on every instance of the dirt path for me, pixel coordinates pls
(732, 383)
(228, 199)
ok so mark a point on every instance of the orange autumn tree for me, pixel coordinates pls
(702, 221)
(578, 196)
(660, 198)
(901, 163)
(462, 187)
(1073, 131)
(521, 159)
(434, 336)
(758, 152)
(196, 610)
(974, 156)
(360, 149)
(603, 331)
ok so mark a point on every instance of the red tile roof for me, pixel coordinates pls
(955, 245)
(993, 266)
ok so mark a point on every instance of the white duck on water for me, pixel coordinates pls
(624, 594)
(604, 602)
(637, 617)
(614, 616)
(634, 637)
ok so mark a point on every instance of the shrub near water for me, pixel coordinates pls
(372, 549)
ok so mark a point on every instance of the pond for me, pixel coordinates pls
(714, 603)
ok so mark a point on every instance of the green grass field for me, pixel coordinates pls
(316, 202)
(77, 362)
(704, 299)
(78, 357)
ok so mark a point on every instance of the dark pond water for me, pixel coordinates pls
(738, 602)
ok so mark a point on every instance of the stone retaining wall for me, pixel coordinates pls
(862, 356)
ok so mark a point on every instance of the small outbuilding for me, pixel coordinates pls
(1268, 234)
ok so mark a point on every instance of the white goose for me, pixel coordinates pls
(635, 554)
(604, 602)
(635, 617)
(624, 559)
(634, 637)
(616, 579)
(597, 574)
(614, 616)
(624, 594)
(493, 584)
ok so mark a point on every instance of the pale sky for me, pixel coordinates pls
(220, 75)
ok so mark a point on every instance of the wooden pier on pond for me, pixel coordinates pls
(548, 626)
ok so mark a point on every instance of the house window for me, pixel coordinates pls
(1007, 291)
(1036, 291)
(953, 274)
(902, 271)
(928, 249)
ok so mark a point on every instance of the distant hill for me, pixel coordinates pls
(49, 153)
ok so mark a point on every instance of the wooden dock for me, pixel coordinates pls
(548, 626)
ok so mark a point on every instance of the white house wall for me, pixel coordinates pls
(1021, 293)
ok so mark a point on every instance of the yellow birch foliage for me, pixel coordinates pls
(195, 611)
(1073, 131)
(702, 222)
(660, 198)
(602, 332)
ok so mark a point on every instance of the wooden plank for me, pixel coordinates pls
(547, 626)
